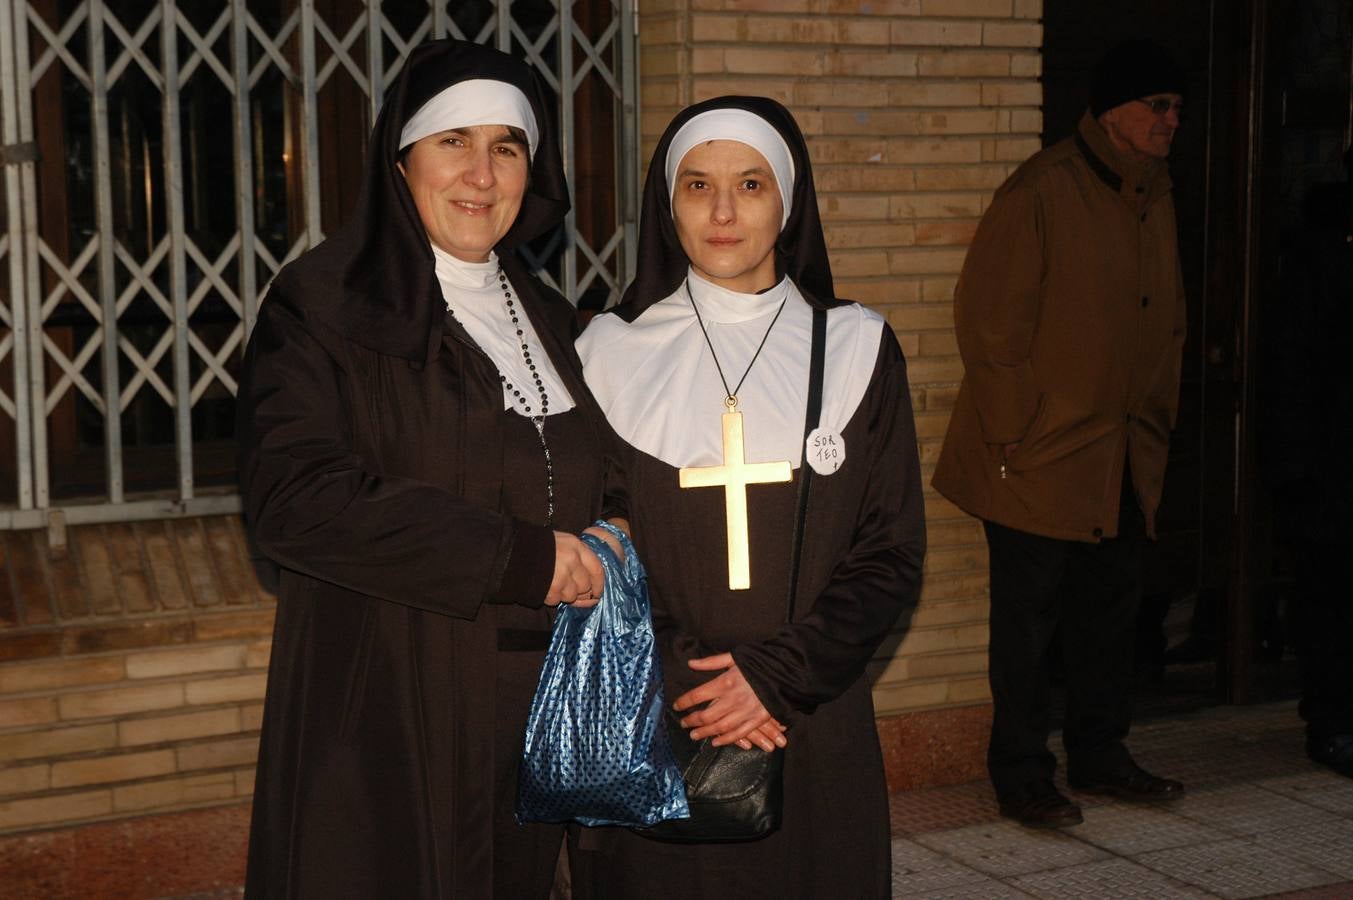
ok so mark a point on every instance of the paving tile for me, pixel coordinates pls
(1131, 830)
(1341, 891)
(1236, 868)
(986, 889)
(917, 870)
(1107, 878)
(1247, 809)
(1318, 786)
(1327, 845)
(1004, 848)
(941, 809)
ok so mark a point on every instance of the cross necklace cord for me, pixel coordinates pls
(735, 473)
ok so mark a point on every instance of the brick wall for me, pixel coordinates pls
(915, 110)
(132, 669)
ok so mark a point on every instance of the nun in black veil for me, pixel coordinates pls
(732, 264)
(418, 452)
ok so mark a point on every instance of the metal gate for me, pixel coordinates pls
(162, 160)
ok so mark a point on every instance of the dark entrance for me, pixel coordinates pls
(1267, 120)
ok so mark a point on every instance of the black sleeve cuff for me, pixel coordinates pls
(530, 566)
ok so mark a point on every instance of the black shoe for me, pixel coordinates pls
(1040, 805)
(1131, 782)
(1335, 752)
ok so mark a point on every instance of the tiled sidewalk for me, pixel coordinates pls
(1259, 820)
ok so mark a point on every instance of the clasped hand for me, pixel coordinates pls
(731, 711)
(578, 575)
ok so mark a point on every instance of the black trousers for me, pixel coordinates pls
(1089, 593)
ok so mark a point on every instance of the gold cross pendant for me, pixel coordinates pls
(734, 476)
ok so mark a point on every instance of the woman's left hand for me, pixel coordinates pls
(732, 712)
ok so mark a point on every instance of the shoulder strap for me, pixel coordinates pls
(815, 373)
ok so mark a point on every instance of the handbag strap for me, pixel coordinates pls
(815, 373)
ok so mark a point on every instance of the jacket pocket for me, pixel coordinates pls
(1032, 434)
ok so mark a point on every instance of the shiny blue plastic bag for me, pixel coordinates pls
(596, 744)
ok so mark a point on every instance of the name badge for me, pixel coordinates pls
(825, 451)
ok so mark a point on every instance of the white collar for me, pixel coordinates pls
(720, 305)
(454, 272)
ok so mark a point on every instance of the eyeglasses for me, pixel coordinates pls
(1162, 105)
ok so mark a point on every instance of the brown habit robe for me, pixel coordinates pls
(406, 511)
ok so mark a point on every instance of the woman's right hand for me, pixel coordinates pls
(578, 576)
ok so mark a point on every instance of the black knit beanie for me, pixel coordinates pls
(1132, 70)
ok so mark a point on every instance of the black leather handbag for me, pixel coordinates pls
(734, 794)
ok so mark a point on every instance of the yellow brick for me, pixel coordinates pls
(162, 729)
(660, 30)
(120, 701)
(218, 754)
(895, 697)
(257, 654)
(934, 93)
(174, 792)
(859, 178)
(977, 121)
(946, 234)
(765, 60)
(948, 665)
(911, 151)
(251, 716)
(57, 741)
(926, 33)
(1012, 34)
(959, 178)
(969, 690)
(42, 676)
(24, 779)
(1028, 9)
(244, 782)
(969, 611)
(887, 64)
(27, 711)
(938, 343)
(909, 344)
(858, 263)
(659, 93)
(107, 769)
(780, 89)
(941, 398)
(928, 369)
(940, 590)
(871, 93)
(775, 6)
(845, 150)
(163, 663)
(852, 206)
(956, 559)
(944, 639)
(1010, 150)
(963, 65)
(992, 9)
(938, 290)
(874, 7)
(853, 237)
(1026, 65)
(935, 206)
(660, 61)
(60, 809)
(924, 261)
(1012, 93)
(922, 317)
(1026, 120)
(877, 292)
(930, 425)
(939, 509)
(221, 690)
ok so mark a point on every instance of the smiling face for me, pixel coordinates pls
(1140, 133)
(468, 185)
(728, 211)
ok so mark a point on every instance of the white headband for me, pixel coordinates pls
(479, 101)
(745, 128)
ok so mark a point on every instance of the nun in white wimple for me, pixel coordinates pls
(418, 452)
(732, 263)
